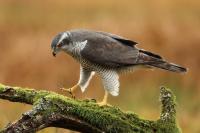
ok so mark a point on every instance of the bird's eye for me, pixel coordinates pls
(60, 44)
(63, 42)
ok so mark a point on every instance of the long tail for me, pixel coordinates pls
(170, 67)
(157, 61)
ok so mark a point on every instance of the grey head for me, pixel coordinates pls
(61, 42)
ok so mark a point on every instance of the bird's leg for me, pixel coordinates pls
(71, 90)
(105, 99)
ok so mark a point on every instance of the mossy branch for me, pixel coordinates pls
(53, 110)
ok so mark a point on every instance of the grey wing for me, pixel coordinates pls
(123, 40)
(107, 51)
(81, 34)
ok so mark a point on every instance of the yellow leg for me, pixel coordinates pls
(71, 90)
(105, 99)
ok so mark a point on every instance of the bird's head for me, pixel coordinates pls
(61, 42)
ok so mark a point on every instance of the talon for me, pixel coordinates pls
(64, 89)
(71, 90)
(102, 104)
(71, 93)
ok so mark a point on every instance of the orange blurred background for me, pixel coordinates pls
(170, 28)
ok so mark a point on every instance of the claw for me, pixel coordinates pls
(102, 103)
(69, 91)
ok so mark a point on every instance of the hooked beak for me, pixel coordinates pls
(54, 54)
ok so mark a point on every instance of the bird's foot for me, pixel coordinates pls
(103, 103)
(69, 90)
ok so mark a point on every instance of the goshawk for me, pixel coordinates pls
(108, 55)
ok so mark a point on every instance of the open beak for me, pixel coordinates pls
(54, 54)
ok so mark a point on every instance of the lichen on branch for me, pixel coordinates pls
(54, 110)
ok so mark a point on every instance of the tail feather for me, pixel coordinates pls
(152, 59)
(170, 67)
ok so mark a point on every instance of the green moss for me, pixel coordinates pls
(168, 100)
(2, 88)
(109, 119)
(166, 127)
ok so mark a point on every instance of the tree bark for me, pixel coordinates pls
(54, 110)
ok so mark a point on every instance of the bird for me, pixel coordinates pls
(107, 55)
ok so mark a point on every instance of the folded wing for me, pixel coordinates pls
(110, 51)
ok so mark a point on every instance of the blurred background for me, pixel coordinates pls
(170, 28)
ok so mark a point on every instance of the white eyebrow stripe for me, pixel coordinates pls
(64, 35)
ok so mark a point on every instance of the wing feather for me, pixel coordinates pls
(107, 51)
(111, 50)
(123, 40)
